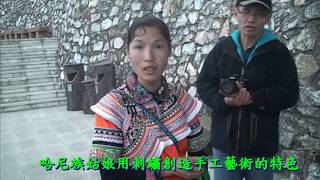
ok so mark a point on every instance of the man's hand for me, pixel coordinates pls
(241, 98)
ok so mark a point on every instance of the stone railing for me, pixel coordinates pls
(27, 33)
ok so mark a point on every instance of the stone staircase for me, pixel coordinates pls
(28, 74)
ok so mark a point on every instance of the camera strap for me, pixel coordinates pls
(247, 53)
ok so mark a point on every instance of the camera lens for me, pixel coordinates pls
(228, 87)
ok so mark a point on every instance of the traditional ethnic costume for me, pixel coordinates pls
(123, 130)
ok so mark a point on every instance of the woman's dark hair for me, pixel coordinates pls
(148, 21)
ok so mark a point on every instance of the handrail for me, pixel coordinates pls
(36, 32)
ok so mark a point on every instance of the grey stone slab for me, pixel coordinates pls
(84, 154)
(50, 139)
(7, 136)
(7, 118)
(6, 157)
(39, 177)
(31, 156)
(5, 127)
(25, 133)
(34, 171)
(11, 164)
(29, 143)
(80, 124)
(72, 136)
(61, 129)
(48, 132)
(25, 121)
(58, 120)
(57, 151)
(21, 124)
(87, 134)
(42, 128)
(39, 114)
(9, 146)
(37, 118)
(11, 173)
(79, 146)
(21, 127)
(93, 175)
(71, 175)
(34, 104)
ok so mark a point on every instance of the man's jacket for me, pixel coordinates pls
(272, 81)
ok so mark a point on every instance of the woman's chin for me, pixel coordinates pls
(150, 78)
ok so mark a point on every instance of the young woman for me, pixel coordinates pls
(147, 117)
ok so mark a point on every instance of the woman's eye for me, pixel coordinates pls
(138, 47)
(159, 46)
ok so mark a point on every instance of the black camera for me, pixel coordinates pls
(228, 87)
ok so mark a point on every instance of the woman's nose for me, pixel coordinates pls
(148, 54)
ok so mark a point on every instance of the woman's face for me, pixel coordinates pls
(148, 52)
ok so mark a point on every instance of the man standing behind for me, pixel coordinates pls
(247, 79)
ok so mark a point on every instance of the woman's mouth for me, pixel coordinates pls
(149, 69)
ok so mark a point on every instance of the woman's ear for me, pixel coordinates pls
(235, 12)
(128, 59)
(128, 54)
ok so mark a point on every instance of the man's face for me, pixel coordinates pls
(252, 19)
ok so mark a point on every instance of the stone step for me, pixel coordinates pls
(28, 59)
(30, 96)
(27, 73)
(30, 88)
(18, 49)
(26, 105)
(33, 53)
(28, 65)
(28, 42)
(28, 80)
(18, 46)
(10, 47)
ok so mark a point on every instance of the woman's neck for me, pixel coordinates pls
(151, 87)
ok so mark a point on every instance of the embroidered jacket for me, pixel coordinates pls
(124, 131)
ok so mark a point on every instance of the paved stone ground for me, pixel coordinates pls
(29, 136)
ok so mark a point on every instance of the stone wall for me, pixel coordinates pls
(298, 23)
(95, 30)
